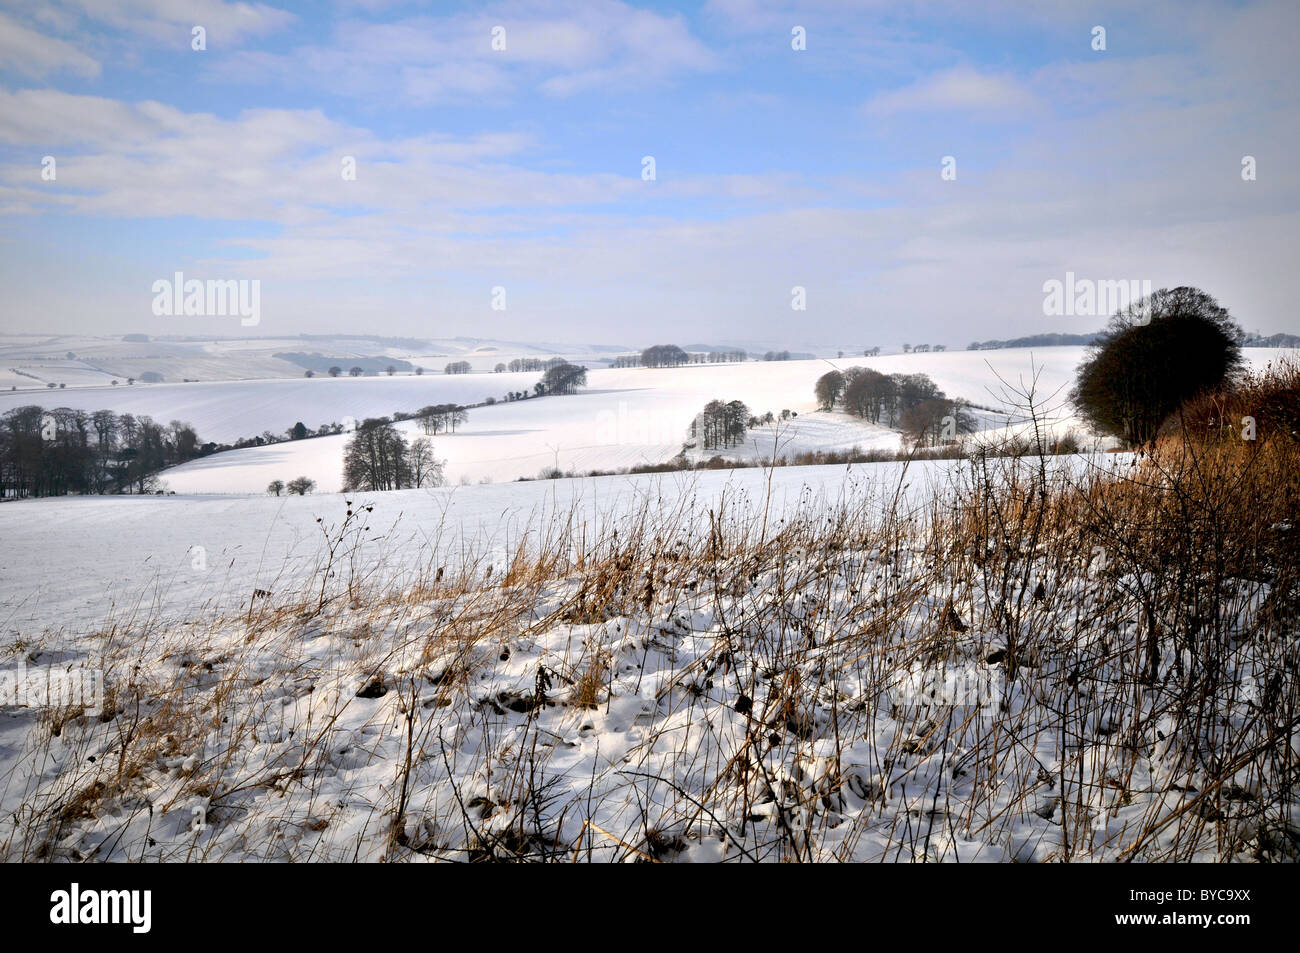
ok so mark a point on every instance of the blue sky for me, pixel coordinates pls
(521, 168)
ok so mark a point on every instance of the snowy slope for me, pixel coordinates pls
(81, 562)
(625, 416)
(830, 699)
(28, 361)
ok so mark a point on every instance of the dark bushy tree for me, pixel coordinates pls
(564, 379)
(300, 486)
(1153, 356)
(869, 393)
(829, 389)
(664, 355)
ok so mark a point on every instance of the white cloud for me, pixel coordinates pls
(170, 21)
(561, 47)
(35, 55)
(959, 89)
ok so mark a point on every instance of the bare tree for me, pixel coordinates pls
(376, 457)
(425, 468)
(300, 486)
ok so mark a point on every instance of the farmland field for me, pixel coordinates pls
(625, 417)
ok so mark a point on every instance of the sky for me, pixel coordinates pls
(824, 172)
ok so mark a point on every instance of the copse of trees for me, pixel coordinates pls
(439, 417)
(457, 367)
(525, 364)
(726, 357)
(1153, 357)
(912, 402)
(664, 355)
(378, 458)
(869, 393)
(64, 450)
(721, 424)
(563, 379)
(701, 357)
(375, 457)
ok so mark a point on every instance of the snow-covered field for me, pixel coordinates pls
(82, 563)
(669, 667)
(625, 417)
(750, 664)
(30, 362)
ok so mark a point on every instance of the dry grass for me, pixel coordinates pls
(1131, 638)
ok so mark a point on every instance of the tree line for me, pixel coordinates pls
(525, 364)
(436, 417)
(670, 355)
(65, 450)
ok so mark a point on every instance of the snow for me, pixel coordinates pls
(83, 563)
(288, 652)
(625, 417)
(395, 728)
(98, 359)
